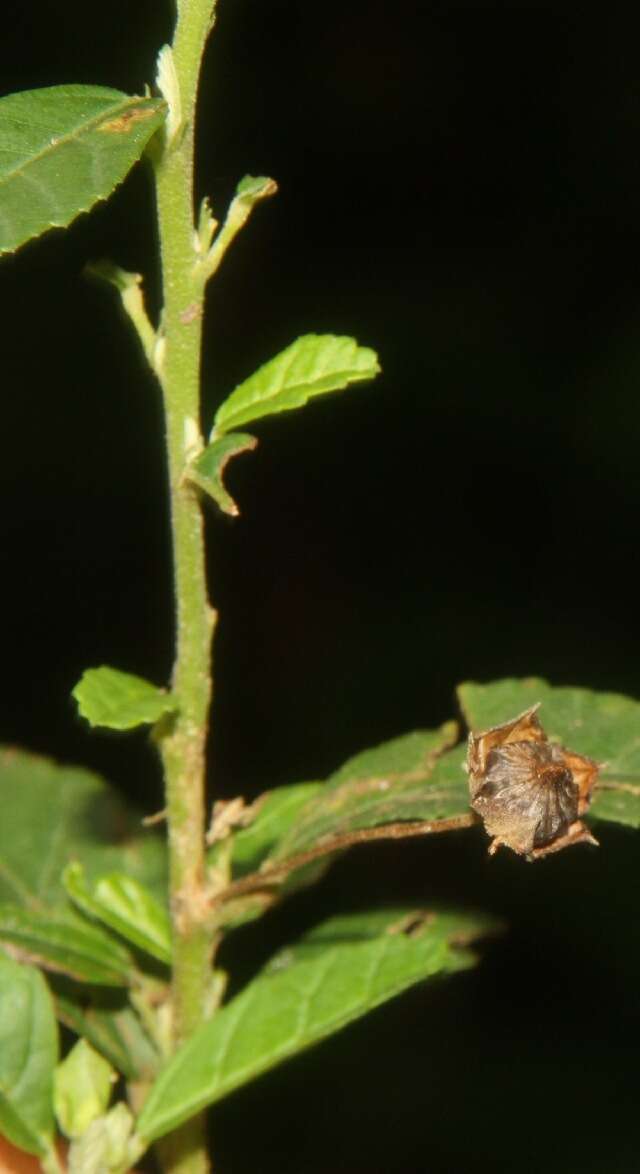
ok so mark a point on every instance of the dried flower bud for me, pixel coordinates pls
(529, 792)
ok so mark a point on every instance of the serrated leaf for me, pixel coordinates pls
(83, 1083)
(207, 470)
(54, 814)
(338, 973)
(63, 946)
(602, 726)
(404, 779)
(64, 148)
(313, 365)
(115, 700)
(28, 1055)
(125, 906)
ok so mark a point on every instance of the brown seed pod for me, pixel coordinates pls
(529, 792)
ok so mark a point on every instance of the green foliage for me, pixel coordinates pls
(63, 149)
(82, 1089)
(120, 701)
(206, 471)
(28, 1055)
(312, 365)
(108, 1145)
(272, 817)
(55, 814)
(404, 779)
(67, 946)
(339, 971)
(77, 873)
(124, 905)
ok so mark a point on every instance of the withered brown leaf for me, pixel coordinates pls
(529, 792)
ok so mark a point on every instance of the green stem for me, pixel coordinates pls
(183, 744)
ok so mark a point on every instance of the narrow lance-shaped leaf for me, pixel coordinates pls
(207, 469)
(28, 1055)
(115, 700)
(63, 946)
(602, 726)
(64, 148)
(334, 975)
(313, 365)
(124, 905)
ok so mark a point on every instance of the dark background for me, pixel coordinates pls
(460, 188)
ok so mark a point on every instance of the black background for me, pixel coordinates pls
(460, 188)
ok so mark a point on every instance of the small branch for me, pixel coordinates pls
(250, 192)
(129, 286)
(258, 881)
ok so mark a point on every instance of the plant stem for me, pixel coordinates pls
(274, 873)
(183, 744)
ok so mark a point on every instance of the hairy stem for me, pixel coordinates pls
(183, 744)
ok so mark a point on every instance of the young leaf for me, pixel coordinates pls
(207, 469)
(603, 726)
(81, 1088)
(249, 192)
(28, 1055)
(338, 973)
(125, 906)
(120, 701)
(64, 148)
(53, 814)
(108, 1146)
(404, 779)
(64, 946)
(312, 365)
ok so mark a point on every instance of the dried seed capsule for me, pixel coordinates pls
(529, 792)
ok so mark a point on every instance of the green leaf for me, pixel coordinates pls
(404, 779)
(105, 1017)
(62, 945)
(603, 726)
(120, 701)
(53, 814)
(64, 148)
(124, 905)
(252, 188)
(312, 365)
(334, 975)
(206, 471)
(28, 1055)
(109, 1145)
(276, 812)
(82, 1088)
